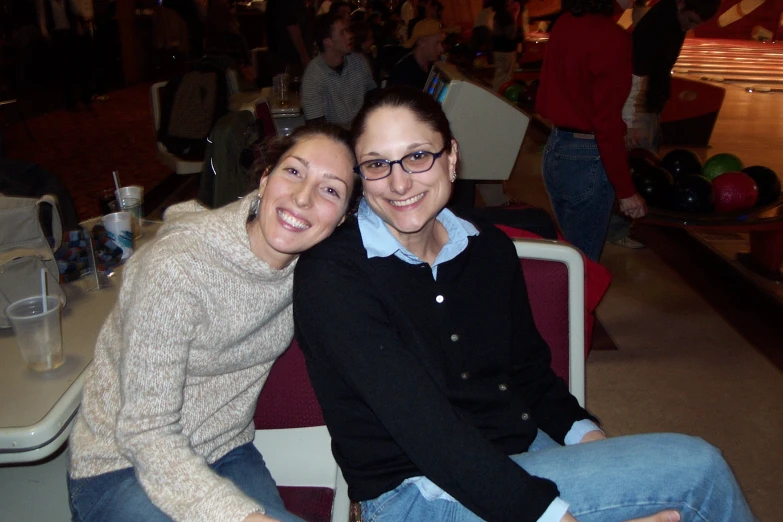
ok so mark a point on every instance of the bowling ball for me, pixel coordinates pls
(720, 163)
(513, 92)
(681, 161)
(645, 153)
(654, 184)
(637, 164)
(733, 192)
(692, 194)
(505, 86)
(767, 181)
(527, 100)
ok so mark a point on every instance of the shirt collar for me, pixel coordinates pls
(379, 241)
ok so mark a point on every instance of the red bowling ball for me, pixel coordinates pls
(734, 192)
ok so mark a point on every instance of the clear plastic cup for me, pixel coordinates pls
(38, 333)
(132, 191)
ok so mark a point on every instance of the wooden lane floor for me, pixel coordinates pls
(745, 62)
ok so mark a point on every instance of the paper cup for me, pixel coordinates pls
(38, 333)
(119, 227)
(133, 206)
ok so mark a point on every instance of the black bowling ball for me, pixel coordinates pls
(527, 100)
(637, 164)
(681, 162)
(655, 185)
(692, 194)
(767, 181)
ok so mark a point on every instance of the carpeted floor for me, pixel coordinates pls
(83, 148)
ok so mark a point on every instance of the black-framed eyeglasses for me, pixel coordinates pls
(414, 163)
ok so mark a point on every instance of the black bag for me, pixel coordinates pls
(190, 105)
(228, 159)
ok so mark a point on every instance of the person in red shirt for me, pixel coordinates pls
(585, 79)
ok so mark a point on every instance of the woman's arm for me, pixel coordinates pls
(344, 326)
(611, 74)
(554, 408)
(160, 314)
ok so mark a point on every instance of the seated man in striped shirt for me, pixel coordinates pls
(335, 82)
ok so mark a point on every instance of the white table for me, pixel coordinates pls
(37, 409)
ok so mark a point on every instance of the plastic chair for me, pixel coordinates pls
(292, 437)
(169, 160)
(554, 274)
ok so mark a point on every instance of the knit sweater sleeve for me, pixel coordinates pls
(160, 314)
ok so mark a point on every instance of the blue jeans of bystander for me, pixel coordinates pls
(578, 189)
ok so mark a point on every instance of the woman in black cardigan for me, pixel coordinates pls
(434, 382)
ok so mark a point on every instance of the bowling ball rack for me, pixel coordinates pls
(763, 225)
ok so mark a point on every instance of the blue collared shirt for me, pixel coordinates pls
(379, 242)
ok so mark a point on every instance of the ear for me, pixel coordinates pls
(264, 181)
(453, 155)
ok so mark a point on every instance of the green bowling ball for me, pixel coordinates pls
(513, 92)
(721, 163)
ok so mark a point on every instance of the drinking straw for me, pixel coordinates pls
(43, 289)
(46, 322)
(116, 180)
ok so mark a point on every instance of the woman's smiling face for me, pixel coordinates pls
(303, 199)
(407, 203)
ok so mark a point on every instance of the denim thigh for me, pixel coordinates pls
(616, 479)
(579, 191)
(118, 496)
(623, 478)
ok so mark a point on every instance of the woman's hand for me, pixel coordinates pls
(662, 516)
(258, 517)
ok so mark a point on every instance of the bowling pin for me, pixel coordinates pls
(737, 11)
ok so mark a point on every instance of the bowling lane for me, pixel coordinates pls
(734, 61)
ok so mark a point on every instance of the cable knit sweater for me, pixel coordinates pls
(180, 361)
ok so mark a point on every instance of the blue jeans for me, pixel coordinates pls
(118, 496)
(579, 191)
(616, 479)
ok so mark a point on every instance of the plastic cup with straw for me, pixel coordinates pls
(37, 328)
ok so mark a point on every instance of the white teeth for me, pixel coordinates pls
(291, 220)
(405, 203)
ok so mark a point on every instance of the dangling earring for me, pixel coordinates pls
(255, 205)
(453, 176)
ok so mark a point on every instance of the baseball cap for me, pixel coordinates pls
(422, 29)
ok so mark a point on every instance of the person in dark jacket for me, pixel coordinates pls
(657, 41)
(434, 382)
(62, 23)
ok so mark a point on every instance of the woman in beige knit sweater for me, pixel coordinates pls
(165, 428)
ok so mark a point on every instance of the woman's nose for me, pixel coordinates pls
(303, 196)
(399, 180)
